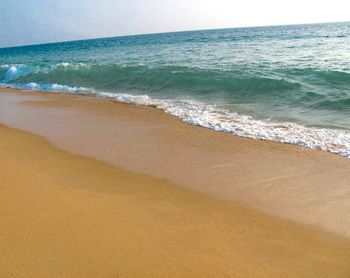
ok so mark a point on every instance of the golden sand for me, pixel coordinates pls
(64, 215)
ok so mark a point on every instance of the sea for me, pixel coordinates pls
(289, 84)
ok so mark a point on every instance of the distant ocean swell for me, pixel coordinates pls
(191, 87)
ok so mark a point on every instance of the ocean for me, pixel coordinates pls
(289, 84)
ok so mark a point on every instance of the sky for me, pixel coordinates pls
(25, 22)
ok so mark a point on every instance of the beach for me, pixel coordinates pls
(284, 180)
(95, 188)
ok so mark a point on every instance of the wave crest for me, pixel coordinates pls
(147, 78)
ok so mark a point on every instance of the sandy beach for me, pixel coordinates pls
(305, 186)
(94, 188)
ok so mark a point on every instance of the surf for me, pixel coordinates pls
(287, 83)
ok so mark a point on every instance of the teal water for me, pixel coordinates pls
(284, 83)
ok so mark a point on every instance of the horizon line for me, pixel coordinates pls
(168, 32)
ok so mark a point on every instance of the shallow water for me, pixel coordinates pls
(284, 83)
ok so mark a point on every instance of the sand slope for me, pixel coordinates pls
(62, 215)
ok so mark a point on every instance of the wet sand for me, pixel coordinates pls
(64, 215)
(302, 185)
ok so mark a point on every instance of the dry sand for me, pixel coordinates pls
(64, 215)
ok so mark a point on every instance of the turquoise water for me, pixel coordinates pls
(285, 83)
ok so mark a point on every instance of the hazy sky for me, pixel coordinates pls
(37, 21)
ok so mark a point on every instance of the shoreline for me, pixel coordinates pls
(325, 138)
(287, 181)
(68, 215)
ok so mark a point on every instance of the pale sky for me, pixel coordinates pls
(38, 21)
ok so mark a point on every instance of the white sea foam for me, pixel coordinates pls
(54, 88)
(69, 65)
(17, 71)
(63, 64)
(213, 117)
